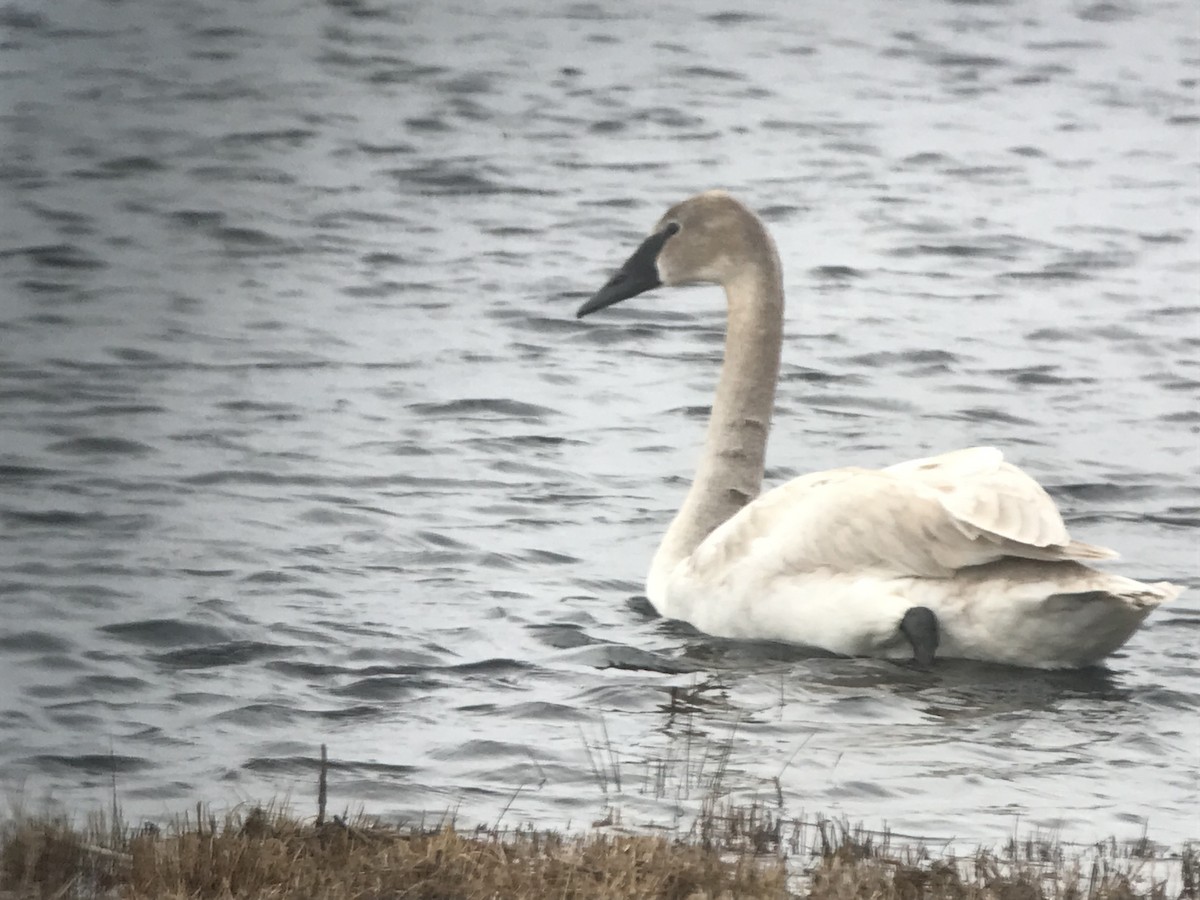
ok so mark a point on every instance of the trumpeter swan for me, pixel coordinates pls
(957, 555)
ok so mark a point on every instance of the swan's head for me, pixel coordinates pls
(708, 238)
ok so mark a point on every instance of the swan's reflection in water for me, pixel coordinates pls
(883, 742)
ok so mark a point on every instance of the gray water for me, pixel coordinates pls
(301, 442)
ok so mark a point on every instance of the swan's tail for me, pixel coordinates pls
(1135, 594)
(1138, 596)
(1156, 594)
(1107, 615)
(1048, 614)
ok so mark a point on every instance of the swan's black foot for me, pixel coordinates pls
(920, 626)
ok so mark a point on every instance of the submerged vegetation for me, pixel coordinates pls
(731, 851)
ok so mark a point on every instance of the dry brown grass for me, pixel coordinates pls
(852, 867)
(733, 850)
(267, 854)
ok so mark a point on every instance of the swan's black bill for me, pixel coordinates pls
(920, 626)
(638, 275)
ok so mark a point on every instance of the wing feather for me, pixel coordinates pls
(925, 517)
(980, 488)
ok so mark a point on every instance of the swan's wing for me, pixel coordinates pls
(926, 517)
(981, 490)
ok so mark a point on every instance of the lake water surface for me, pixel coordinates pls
(302, 443)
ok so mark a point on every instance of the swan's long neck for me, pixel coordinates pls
(730, 472)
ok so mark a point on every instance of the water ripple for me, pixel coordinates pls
(303, 443)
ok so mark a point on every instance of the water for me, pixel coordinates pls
(301, 442)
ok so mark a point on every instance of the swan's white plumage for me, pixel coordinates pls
(834, 559)
(925, 517)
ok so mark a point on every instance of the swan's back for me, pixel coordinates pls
(926, 517)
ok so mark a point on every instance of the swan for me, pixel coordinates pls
(960, 555)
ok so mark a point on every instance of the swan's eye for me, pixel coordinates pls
(672, 228)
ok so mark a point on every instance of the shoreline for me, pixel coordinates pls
(729, 850)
